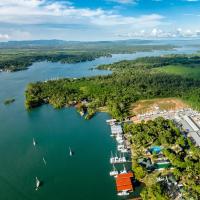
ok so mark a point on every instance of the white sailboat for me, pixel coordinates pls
(114, 172)
(123, 159)
(70, 152)
(37, 183)
(112, 158)
(44, 161)
(34, 142)
(124, 171)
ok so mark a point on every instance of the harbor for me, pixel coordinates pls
(124, 178)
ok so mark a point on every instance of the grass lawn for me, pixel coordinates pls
(183, 70)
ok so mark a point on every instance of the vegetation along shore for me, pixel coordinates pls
(130, 81)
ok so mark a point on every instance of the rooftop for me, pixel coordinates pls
(124, 182)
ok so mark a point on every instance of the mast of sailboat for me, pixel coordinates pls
(111, 154)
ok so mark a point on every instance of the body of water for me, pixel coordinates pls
(84, 176)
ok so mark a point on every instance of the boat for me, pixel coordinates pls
(123, 193)
(70, 152)
(124, 171)
(114, 172)
(111, 158)
(119, 139)
(37, 183)
(122, 159)
(124, 150)
(34, 142)
(120, 147)
(44, 161)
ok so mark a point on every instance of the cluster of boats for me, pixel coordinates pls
(37, 181)
(115, 172)
(119, 157)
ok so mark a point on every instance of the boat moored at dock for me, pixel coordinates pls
(114, 171)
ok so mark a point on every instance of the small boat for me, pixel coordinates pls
(70, 152)
(44, 161)
(37, 183)
(34, 142)
(124, 171)
(123, 193)
(114, 172)
(120, 147)
(124, 150)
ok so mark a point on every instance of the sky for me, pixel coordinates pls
(90, 20)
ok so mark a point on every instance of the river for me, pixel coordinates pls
(84, 176)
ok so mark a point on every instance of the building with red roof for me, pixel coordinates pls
(124, 182)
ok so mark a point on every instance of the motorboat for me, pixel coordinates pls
(123, 193)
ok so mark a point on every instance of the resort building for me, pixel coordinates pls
(124, 182)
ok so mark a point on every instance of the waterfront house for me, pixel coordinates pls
(124, 182)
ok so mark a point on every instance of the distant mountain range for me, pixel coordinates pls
(62, 43)
(76, 44)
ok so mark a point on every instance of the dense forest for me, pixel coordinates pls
(183, 155)
(20, 57)
(129, 82)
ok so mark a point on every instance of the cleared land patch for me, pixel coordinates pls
(152, 105)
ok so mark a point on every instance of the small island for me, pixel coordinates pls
(9, 101)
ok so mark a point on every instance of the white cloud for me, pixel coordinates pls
(123, 1)
(159, 33)
(41, 19)
(40, 11)
(4, 37)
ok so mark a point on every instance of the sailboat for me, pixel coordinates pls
(124, 171)
(123, 158)
(112, 158)
(37, 183)
(114, 172)
(70, 152)
(44, 161)
(34, 142)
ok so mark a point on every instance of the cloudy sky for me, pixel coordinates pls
(98, 19)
